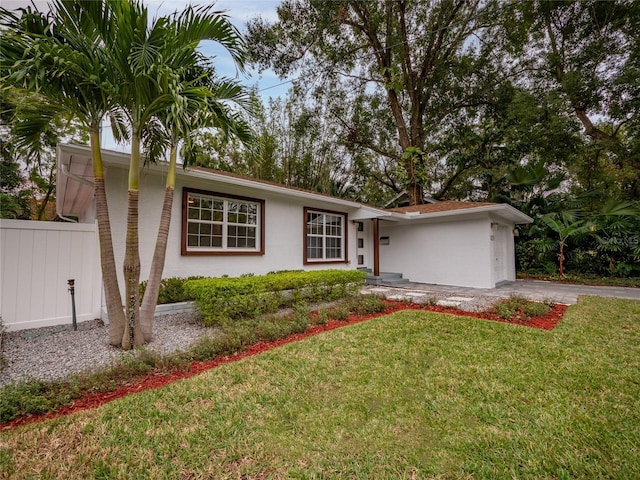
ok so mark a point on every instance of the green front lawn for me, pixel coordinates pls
(409, 395)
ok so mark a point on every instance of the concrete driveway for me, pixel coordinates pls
(532, 289)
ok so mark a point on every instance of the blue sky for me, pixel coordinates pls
(238, 11)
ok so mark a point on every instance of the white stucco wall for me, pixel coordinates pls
(283, 229)
(446, 252)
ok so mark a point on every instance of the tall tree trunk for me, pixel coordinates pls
(561, 260)
(132, 335)
(107, 260)
(415, 192)
(42, 205)
(150, 299)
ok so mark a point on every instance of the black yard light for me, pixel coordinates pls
(72, 290)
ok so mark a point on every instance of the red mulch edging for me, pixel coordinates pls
(157, 380)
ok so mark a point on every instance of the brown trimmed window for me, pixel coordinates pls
(215, 223)
(325, 239)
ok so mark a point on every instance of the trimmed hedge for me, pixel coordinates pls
(220, 300)
(171, 290)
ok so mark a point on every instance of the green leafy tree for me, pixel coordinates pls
(404, 65)
(207, 103)
(32, 152)
(59, 55)
(588, 52)
(14, 192)
(154, 58)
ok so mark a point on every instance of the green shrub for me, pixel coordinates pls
(209, 347)
(171, 290)
(32, 397)
(506, 309)
(220, 300)
(322, 317)
(340, 313)
(518, 306)
(535, 309)
(366, 305)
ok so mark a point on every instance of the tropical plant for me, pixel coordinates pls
(109, 58)
(168, 90)
(196, 100)
(61, 56)
(567, 224)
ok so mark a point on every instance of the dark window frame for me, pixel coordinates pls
(224, 196)
(345, 236)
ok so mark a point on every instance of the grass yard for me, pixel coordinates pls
(409, 395)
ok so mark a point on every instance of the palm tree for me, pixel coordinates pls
(162, 74)
(203, 107)
(60, 56)
(107, 58)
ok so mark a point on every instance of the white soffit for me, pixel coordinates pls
(74, 190)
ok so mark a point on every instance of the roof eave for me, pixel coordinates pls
(122, 160)
(502, 209)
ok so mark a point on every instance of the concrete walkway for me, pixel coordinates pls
(532, 289)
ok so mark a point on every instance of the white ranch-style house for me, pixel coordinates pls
(226, 224)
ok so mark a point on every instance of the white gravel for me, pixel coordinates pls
(54, 352)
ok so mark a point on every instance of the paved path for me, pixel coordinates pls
(533, 289)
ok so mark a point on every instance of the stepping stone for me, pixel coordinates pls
(399, 297)
(379, 290)
(448, 303)
(460, 299)
(414, 294)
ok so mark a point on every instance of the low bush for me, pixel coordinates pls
(321, 318)
(171, 290)
(535, 309)
(221, 300)
(520, 307)
(366, 305)
(339, 312)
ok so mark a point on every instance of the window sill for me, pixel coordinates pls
(322, 262)
(220, 253)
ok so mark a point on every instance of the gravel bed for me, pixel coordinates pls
(52, 353)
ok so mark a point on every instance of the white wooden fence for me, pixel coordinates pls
(36, 261)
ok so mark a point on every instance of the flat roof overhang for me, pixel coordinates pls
(501, 210)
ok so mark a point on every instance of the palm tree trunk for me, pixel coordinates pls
(132, 335)
(107, 260)
(150, 299)
(561, 260)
